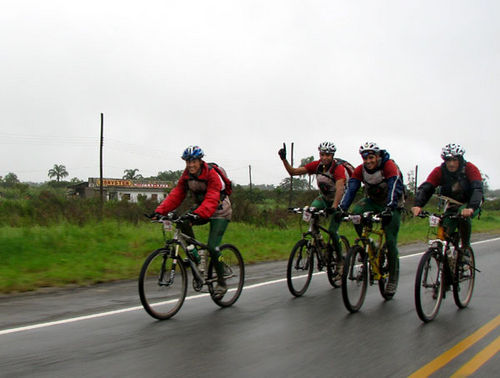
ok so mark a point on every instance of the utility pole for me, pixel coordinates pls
(101, 191)
(416, 177)
(250, 176)
(291, 179)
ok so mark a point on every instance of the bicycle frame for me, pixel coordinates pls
(183, 240)
(313, 243)
(445, 245)
(373, 247)
(313, 233)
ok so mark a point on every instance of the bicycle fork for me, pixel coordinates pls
(161, 279)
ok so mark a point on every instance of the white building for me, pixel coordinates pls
(122, 190)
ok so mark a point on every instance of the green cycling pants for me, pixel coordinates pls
(464, 224)
(217, 229)
(333, 228)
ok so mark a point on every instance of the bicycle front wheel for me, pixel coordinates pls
(465, 274)
(429, 288)
(355, 278)
(234, 275)
(334, 267)
(162, 284)
(300, 268)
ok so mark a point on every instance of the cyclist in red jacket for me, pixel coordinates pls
(459, 180)
(331, 178)
(212, 205)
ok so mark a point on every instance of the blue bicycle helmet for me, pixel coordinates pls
(192, 152)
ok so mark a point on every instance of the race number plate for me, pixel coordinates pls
(167, 225)
(434, 221)
(356, 219)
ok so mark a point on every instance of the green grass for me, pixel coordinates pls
(35, 257)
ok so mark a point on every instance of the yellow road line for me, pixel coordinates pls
(479, 359)
(458, 349)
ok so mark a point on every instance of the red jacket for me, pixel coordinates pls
(206, 188)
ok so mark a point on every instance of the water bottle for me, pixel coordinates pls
(203, 260)
(451, 253)
(194, 252)
(373, 246)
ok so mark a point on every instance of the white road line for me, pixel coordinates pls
(486, 241)
(192, 297)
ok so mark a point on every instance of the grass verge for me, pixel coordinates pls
(52, 256)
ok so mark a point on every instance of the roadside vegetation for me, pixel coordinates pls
(49, 240)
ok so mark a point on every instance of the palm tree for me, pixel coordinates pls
(59, 171)
(131, 174)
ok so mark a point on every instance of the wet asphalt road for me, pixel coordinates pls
(267, 332)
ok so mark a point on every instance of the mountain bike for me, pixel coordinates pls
(444, 263)
(163, 279)
(301, 261)
(366, 261)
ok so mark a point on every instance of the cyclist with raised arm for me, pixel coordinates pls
(384, 190)
(212, 205)
(459, 180)
(331, 178)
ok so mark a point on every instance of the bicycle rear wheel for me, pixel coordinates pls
(429, 288)
(355, 278)
(162, 284)
(383, 261)
(465, 274)
(332, 271)
(300, 268)
(234, 275)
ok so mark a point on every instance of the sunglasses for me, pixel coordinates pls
(365, 155)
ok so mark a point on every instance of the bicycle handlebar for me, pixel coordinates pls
(347, 217)
(426, 214)
(311, 210)
(173, 217)
(367, 216)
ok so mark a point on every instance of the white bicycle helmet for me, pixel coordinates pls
(369, 147)
(452, 150)
(327, 148)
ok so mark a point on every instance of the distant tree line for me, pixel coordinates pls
(260, 205)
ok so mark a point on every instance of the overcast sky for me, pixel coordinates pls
(239, 78)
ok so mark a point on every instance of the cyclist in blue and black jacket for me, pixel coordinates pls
(384, 191)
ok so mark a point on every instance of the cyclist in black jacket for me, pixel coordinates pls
(459, 180)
